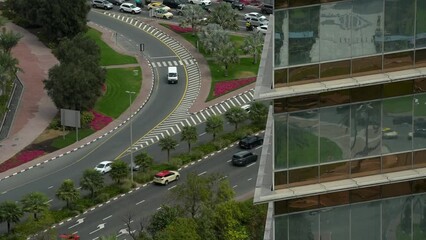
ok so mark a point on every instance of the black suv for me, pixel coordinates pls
(243, 158)
(237, 4)
(267, 9)
(250, 142)
(174, 3)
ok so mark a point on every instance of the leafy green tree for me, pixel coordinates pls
(8, 69)
(214, 125)
(180, 228)
(254, 45)
(67, 192)
(229, 218)
(10, 212)
(35, 203)
(119, 170)
(224, 15)
(236, 115)
(189, 134)
(226, 55)
(162, 218)
(144, 161)
(212, 37)
(167, 143)
(192, 16)
(8, 40)
(71, 50)
(92, 181)
(258, 113)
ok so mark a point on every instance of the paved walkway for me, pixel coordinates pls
(36, 110)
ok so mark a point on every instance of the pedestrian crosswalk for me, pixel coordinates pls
(173, 63)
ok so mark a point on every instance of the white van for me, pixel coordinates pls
(172, 75)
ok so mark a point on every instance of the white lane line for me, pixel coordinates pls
(107, 217)
(202, 173)
(235, 186)
(229, 160)
(140, 202)
(201, 134)
(158, 208)
(248, 99)
(250, 164)
(50, 201)
(50, 187)
(249, 179)
(170, 188)
(258, 147)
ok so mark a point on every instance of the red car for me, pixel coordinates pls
(70, 236)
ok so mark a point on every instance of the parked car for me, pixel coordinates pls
(402, 119)
(250, 142)
(134, 167)
(253, 14)
(174, 3)
(104, 167)
(262, 29)
(130, 8)
(116, 2)
(243, 158)
(201, 2)
(102, 4)
(389, 133)
(236, 4)
(166, 176)
(246, 107)
(266, 9)
(418, 132)
(157, 5)
(162, 13)
(256, 22)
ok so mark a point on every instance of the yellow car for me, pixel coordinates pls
(389, 133)
(162, 13)
(157, 5)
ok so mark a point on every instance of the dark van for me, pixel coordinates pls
(266, 9)
(174, 3)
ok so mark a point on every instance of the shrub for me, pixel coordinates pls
(221, 143)
(224, 87)
(86, 118)
(206, 148)
(176, 161)
(55, 124)
(144, 177)
(196, 154)
(30, 226)
(99, 121)
(102, 197)
(62, 214)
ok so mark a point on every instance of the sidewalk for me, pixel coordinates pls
(36, 110)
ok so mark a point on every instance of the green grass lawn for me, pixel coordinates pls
(108, 55)
(116, 100)
(61, 142)
(238, 41)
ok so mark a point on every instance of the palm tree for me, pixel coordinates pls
(214, 125)
(192, 15)
(167, 143)
(8, 68)
(35, 203)
(224, 15)
(258, 113)
(92, 180)
(144, 161)
(8, 40)
(212, 36)
(189, 134)
(236, 115)
(254, 45)
(226, 55)
(67, 192)
(119, 170)
(10, 212)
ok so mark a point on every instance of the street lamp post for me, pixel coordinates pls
(131, 134)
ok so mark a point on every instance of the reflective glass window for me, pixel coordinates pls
(302, 103)
(419, 128)
(303, 226)
(366, 221)
(303, 176)
(365, 129)
(367, 65)
(365, 167)
(302, 204)
(335, 70)
(330, 219)
(304, 74)
(280, 105)
(303, 138)
(334, 199)
(397, 89)
(303, 34)
(280, 4)
(280, 179)
(281, 227)
(334, 133)
(421, 27)
(296, 3)
(280, 207)
(367, 30)
(364, 194)
(397, 162)
(398, 61)
(366, 93)
(419, 217)
(281, 38)
(280, 77)
(280, 146)
(399, 31)
(334, 171)
(333, 98)
(335, 33)
(396, 124)
(421, 58)
(420, 85)
(419, 186)
(396, 189)
(396, 214)
(419, 158)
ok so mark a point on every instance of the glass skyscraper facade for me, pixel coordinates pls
(344, 155)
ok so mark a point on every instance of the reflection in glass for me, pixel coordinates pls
(396, 123)
(281, 38)
(334, 133)
(302, 103)
(280, 145)
(367, 30)
(335, 34)
(334, 171)
(365, 219)
(368, 65)
(365, 167)
(330, 219)
(420, 26)
(303, 138)
(280, 180)
(419, 129)
(303, 176)
(419, 158)
(419, 216)
(280, 4)
(396, 189)
(335, 70)
(397, 162)
(365, 194)
(333, 98)
(361, 94)
(280, 77)
(399, 35)
(303, 32)
(398, 61)
(420, 85)
(280, 207)
(302, 204)
(396, 214)
(395, 89)
(365, 129)
(334, 199)
(421, 57)
(306, 74)
(281, 227)
(303, 226)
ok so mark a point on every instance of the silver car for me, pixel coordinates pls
(102, 4)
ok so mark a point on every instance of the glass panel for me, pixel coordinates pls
(279, 105)
(397, 89)
(280, 180)
(304, 74)
(420, 26)
(365, 129)
(419, 186)
(302, 204)
(419, 217)
(367, 31)
(335, 33)
(335, 171)
(368, 65)
(397, 123)
(398, 61)
(399, 35)
(280, 77)
(281, 227)
(334, 133)
(419, 158)
(335, 223)
(420, 85)
(303, 138)
(334, 199)
(303, 176)
(365, 167)
(396, 189)
(295, 3)
(333, 98)
(302, 102)
(365, 219)
(280, 207)
(396, 215)
(335, 70)
(397, 162)
(421, 58)
(303, 32)
(280, 4)
(365, 194)
(303, 226)
(280, 135)
(419, 128)
(281, 38)
(366, 93)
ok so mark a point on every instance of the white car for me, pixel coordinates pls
(166, 176)
(253, 14)
(201, 2)
(130, 8)
(162, 13)
(389, 133)
(263, 29)
(258, 21)
(104, 167)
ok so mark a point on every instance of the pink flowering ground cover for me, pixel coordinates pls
(221, 88)
(179, 29)
(99, 121)
(21, 158)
